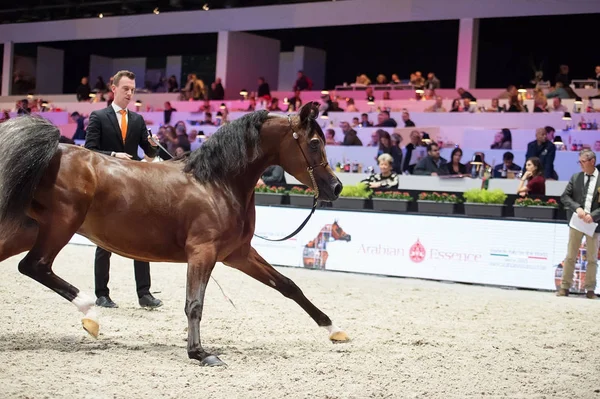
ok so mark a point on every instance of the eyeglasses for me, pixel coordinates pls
(582, 162)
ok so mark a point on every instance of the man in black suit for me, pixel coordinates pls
(581, 197)
(117, 132)
(545, 150)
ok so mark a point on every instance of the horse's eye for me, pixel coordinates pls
(314, 144)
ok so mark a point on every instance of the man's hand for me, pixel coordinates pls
(153, 140)
(375, 185)
(588, 218)
(122, 155)
(580, 213)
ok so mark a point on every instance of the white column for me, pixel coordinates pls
(7, 68)
(466, 60)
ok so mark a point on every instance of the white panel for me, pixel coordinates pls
(349, 12)
(100, 66)
(7, 68)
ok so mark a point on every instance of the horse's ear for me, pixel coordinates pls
(306, 112)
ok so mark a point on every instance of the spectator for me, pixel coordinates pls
(217, 90)
(387, 179)
(264, 91)
(384, 120)
(507, 167)
(502, 140)
(465, 94)
(350, 136)
(83, 90)
(433, 164)
(303, 82)
(454, 167)
(406, 119)
(545, 150)
(533, 181)
(432, 82)
(364, 121)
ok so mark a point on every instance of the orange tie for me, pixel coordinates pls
(123, 123)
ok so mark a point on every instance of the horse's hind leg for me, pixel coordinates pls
(258, 268)
(52, 236)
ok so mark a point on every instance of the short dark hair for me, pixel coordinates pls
(120, 74)
(431, 145)
(549, 129)
(538, 165)
(508, 156)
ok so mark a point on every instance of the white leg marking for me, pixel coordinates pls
(85, 304)
(332, 329)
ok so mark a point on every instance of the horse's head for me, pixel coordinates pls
(338, 234)
(303, 155)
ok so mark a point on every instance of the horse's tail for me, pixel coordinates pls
(27, 144)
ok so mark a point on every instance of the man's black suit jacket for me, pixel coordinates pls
(103, 134)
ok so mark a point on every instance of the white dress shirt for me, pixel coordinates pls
(118, 113)
(590, 193)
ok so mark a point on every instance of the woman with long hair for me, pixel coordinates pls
(533, 181)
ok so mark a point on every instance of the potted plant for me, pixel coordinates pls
(482, 202)
(529, 208)
(391, 201)
(268, 195)
(302, 197)
(353, 197)
(443, 203)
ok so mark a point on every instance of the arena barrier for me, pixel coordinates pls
(497, 252)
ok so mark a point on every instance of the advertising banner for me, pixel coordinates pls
(481, 251)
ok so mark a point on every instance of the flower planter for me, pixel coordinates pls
(349, 203)
(392, 205)
(492, 210)
(304, 201)
(268, 198)
(535, 212)
(444, 208)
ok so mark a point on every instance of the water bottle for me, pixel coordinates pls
(504, 171)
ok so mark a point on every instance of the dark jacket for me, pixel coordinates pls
(104, 135)
(546, 153)
(573, 197)
(274, 175)
(426, 167)
(351, 138)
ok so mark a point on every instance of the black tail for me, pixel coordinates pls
(27, 144)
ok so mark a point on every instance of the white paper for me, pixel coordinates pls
(417, 154)
(586, 228)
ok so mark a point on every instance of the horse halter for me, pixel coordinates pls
(310, 167)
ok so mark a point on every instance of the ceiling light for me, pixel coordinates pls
(156, 11)
(205, 7)
(100, 15)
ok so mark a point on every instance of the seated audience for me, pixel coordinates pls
(437, 107)
(406, 119)
(364, 121)
(384, 120)
(386, 147)
(545, 150)
(507, 169)
(410, 163)
(274, 175)
(456, 105)
(502, 140)
(433, 164)
(533, 181)
(386, 179)
(330, 137)
(350, 135)
(454, 167)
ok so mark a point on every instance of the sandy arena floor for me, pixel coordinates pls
(411, 339)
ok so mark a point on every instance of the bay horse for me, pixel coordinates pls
(315, 255)
(198, 210)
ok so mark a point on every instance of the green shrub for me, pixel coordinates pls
(479, 196)
(361, 190)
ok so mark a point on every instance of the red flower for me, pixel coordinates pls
(552, 201)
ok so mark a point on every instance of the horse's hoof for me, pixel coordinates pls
(339, 337)
(91, 326)
(212, 361)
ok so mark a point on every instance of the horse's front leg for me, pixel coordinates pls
(258, 268)
(201, 261)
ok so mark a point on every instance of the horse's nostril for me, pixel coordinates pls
(337, 189)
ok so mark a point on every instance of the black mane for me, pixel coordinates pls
(229, 151)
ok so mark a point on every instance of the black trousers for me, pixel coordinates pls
(102, 270)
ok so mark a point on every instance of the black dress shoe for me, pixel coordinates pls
(106, 302)
(148, 301)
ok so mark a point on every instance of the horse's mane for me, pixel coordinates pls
(229, 151)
